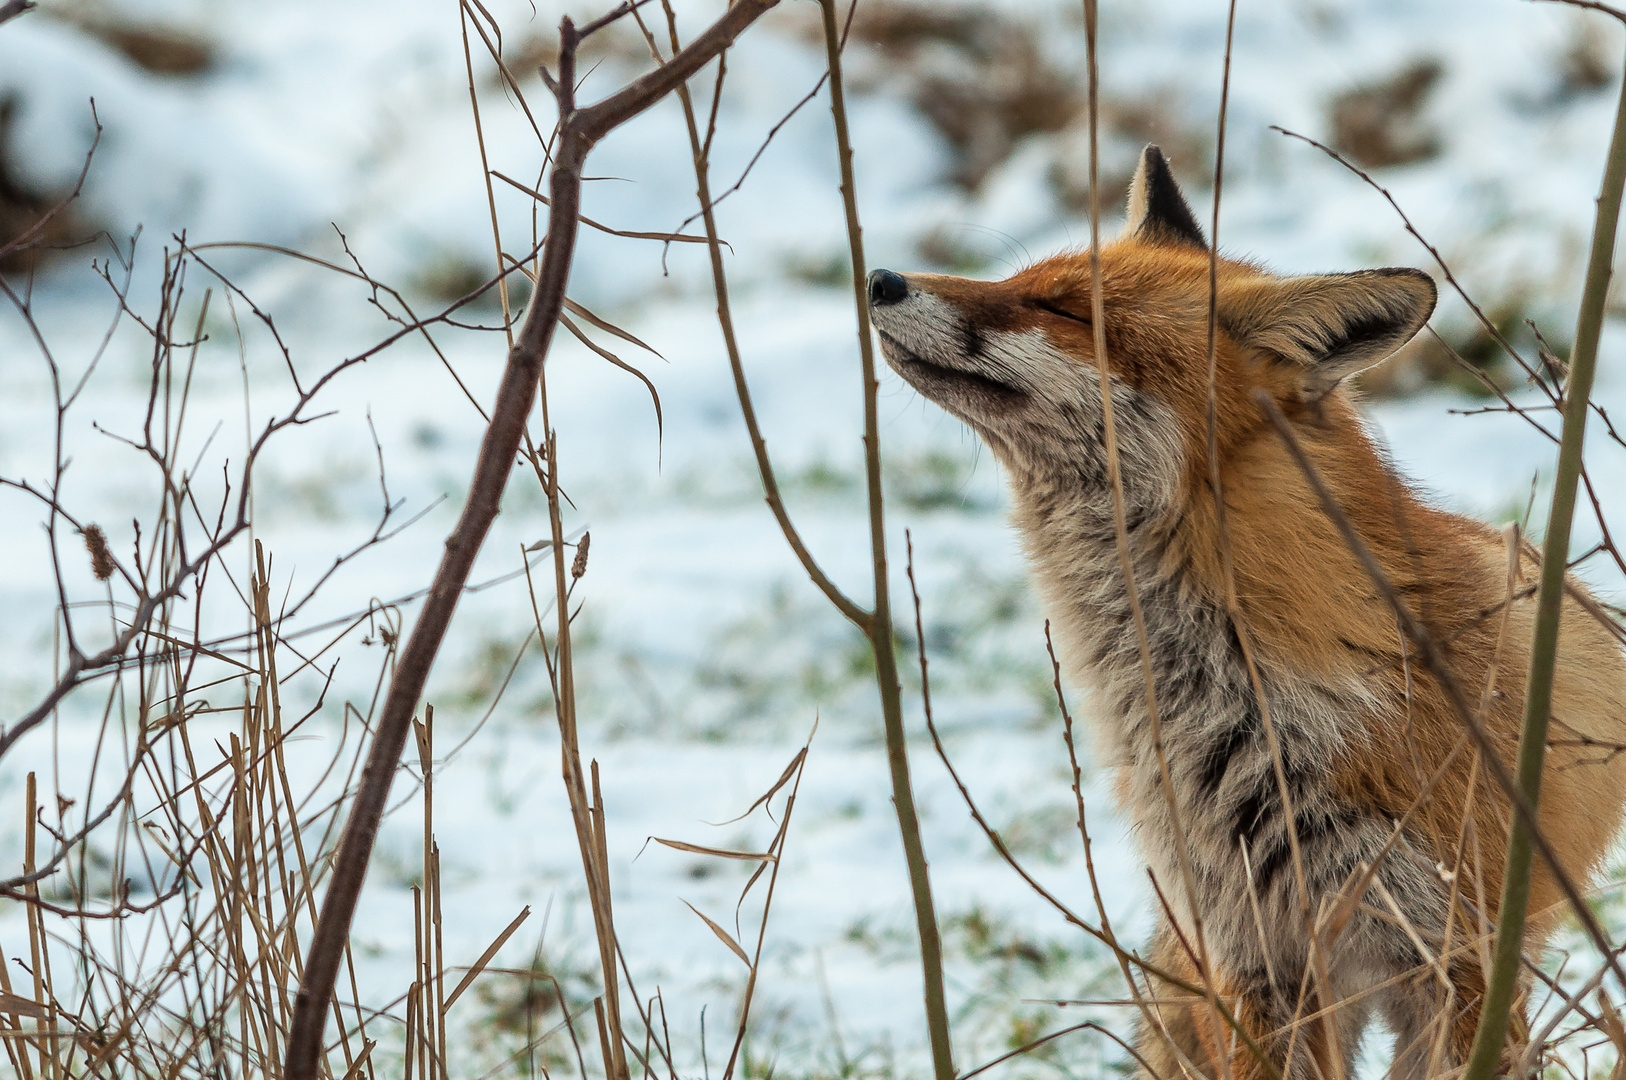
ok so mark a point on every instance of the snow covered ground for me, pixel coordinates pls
(705, 655)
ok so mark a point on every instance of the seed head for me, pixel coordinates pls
(101, 560)
(579, 567)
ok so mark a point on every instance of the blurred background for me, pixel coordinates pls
(347, 132)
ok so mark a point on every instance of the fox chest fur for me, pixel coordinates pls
(1275, 745)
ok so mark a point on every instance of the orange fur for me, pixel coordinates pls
(1307, 608)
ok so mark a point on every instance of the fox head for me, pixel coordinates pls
(1016, 359)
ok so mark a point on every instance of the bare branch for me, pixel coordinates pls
(10, 10)
(579, 130)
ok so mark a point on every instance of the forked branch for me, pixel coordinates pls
(579, 130)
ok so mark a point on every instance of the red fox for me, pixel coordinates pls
(1377, 768)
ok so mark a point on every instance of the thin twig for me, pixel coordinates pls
(8, 11)
(1121, 529)
(742, 389)
(1125, 957)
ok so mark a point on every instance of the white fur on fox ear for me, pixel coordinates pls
(1330, 325)
(1137, 198)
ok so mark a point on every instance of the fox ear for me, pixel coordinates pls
(1331, 325)
(1158, 212)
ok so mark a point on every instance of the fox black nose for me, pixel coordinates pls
(885, 287)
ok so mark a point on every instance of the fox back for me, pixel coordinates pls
(1277, 746)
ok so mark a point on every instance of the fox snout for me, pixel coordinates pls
(1179, 341)
(941, 346)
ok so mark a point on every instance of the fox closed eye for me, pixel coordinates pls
(1045, 305)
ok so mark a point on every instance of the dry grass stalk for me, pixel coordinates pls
(221, 839)
(1318, 943)
(198, 977)
(1121, 534)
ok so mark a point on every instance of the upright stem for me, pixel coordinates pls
(1503, 982)
(880, 624)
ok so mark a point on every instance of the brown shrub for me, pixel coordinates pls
(980, 77)
(1382, 123)
(159, 48)
(21, 208)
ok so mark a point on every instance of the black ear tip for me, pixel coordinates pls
(1167, 218)
(1156, 165)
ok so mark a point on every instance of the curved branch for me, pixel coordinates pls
(1428, 652)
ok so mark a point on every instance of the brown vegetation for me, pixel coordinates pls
(980, 76)
(1383, 122)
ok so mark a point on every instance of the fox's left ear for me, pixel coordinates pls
(1158, 213)
(1330, 326)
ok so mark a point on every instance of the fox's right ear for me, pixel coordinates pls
(1158, 213)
